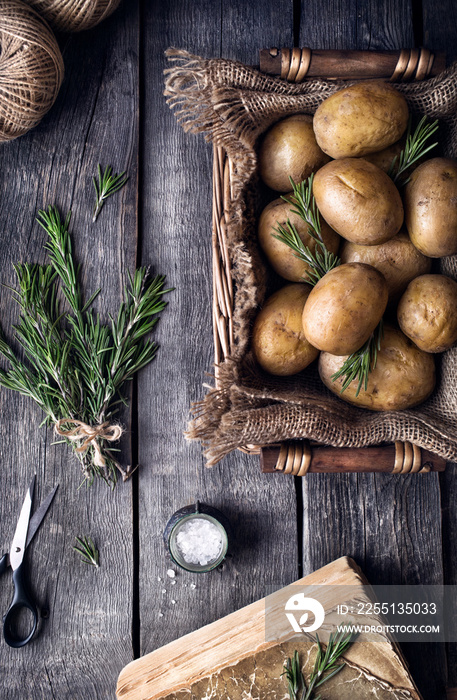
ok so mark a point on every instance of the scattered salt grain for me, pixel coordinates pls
(171, 573)
(173, 602)
(199, 541)
(164, 590)
(173, 583)
(160, 614)
(192, 585)
(159, 578)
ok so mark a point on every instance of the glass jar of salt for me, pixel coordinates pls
(197, 537)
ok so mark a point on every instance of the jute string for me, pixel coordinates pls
(31, 68)
(74, 15)
(89, 435)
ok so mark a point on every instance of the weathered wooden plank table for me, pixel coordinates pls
(111, 110)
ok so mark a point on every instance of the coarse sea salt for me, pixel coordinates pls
(199, 541)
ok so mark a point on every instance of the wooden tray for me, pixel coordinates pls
(301, 457)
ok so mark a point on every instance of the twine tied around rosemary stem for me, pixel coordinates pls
(90, 435)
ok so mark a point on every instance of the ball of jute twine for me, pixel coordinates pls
(74, 15)
(31, 69)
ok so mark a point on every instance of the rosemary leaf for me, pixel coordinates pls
(321, 260)
(415, 148)
(326, 666)
(359, 364)
(88, 551)
(294, 676)
(108, 183)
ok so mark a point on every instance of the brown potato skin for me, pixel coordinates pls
(404, 375)
(431, 207)
(344, 308)
(384, 158)
(278, 341)
(280, 256)
(397, 259)
(358, 200)
(289, 149)
(427, 312)
(360, 119)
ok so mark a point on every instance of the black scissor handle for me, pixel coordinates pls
(20, 601)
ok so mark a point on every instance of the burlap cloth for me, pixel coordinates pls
(233, 105)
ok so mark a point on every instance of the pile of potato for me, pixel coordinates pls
(386, 237)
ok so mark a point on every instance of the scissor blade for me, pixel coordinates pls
(20, 536)
(37, 517)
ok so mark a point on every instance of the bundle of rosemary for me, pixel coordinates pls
(359, 364)
(73, 365)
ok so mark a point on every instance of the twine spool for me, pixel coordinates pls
(74, 15)
(31, 69)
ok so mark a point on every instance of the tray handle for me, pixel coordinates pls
(294, 65)
(298, 457)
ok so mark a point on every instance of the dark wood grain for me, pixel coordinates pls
(376, 519)
(438, 27)
(176, 228)
(439, 21)
(374, 25)
(86, 639)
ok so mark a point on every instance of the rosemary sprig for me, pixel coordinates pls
(294, 676)
(326, 666)
(88, 551)
(415, 148)
(108, 184)
(320, 260)
(74, 366)
(360, 363)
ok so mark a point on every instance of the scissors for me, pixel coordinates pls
(25, 530)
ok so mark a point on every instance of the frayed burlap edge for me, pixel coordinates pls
(232, 104)
(228, 418)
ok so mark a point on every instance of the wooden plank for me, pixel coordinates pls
(86, 637)
(373, 517)
(374, 25)
(438, 27)
(176, 178)
(438, 30)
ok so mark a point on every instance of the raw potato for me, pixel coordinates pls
(278, 341)
(427, 312)
(289, 149)
(383, 159)
(358, 200)
(397, 259)
(404, 375)
(344, 308)
(431, 207)
(280, 256)
(360, 119)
